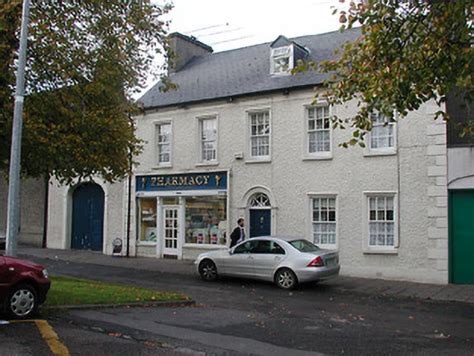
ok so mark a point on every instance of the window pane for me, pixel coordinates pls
(205, 220)
(148, 220)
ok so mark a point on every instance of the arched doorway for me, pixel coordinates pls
(87, 217)
(260, 215)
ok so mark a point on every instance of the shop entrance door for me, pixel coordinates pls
(170, 230)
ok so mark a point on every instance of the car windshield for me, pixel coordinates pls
(303, 245)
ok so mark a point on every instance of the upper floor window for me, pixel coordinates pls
(163, 134)
(282, 60)
(382, 136)
(208, 133)
(259, 134)
(318, 130)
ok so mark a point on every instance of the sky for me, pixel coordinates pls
(229, 24)
(218, 23)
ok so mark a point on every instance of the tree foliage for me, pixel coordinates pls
(409, 52)
(85, 60)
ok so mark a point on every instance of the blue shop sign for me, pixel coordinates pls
(186, 181)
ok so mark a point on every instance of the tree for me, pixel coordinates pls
(409, 52)
(85, 60)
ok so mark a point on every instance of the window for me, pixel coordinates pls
(324, 221)
(319, 130)
(208, 131)
(259, 134)
(163, 133)
(381, 221)
(382, 136)
(206, 221)
(259, 200)
(304, 246)
(282, 60)
(246, 247)
(147, 220)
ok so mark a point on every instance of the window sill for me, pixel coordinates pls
(205, 246)
(146, 244)
(381, 252)
(256, 160)
(384, 152)
(162, 166)
(318, 157)
(204, 164)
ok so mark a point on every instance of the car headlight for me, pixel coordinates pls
(45, 273)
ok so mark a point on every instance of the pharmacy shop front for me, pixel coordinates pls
(181, 215)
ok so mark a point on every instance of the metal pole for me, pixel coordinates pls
(13, 213)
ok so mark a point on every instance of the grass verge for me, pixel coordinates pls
(74, 291)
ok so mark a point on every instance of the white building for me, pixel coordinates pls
(241, 137)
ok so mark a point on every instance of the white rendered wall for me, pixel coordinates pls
(461, 167)
(60, 214)
(417, 172)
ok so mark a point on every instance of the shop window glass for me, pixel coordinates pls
(206, 220)
(147, 220)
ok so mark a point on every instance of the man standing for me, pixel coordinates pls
(238, 234)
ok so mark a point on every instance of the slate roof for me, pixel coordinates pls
(243, 71)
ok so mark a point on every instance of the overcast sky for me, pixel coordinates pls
(229, 24)
(219, 22)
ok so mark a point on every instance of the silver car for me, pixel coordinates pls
(284, 260)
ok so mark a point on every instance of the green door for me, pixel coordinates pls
(461, 236)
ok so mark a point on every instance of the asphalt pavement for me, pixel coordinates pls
(237, 317)
(376, 287)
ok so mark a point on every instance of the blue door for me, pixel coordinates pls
(260, 222)
(87, 217)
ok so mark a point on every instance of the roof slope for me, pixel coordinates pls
(243, 71)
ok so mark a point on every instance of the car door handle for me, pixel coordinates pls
(11, 269)
(250, 258)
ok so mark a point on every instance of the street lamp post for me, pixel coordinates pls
(13, 212)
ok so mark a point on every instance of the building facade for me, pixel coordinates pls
(241, 137)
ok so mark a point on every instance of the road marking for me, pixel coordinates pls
(51, 338)
(48, 335)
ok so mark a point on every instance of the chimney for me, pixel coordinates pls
(185, 48)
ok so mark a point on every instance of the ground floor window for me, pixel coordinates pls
(381, 221)
(323, 215)
(206, 220)
(147, 220)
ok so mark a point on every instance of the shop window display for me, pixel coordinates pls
(206, 220)
(147, 220)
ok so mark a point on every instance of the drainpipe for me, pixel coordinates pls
(45, 213)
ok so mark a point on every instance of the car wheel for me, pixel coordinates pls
(208, 270)
(285, 278)
(22, 302)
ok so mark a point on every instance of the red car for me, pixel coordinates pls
(23, 286)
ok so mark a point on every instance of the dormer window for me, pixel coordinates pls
(284, 54)
(282, 60)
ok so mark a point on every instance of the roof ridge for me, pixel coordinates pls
(289, 38)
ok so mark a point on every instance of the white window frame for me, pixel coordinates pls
(377, 151)
(274, 55)
(366, 230)
(200, 120)
(317, 155)
(329, 195)
(157, 145)
(256, 159)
